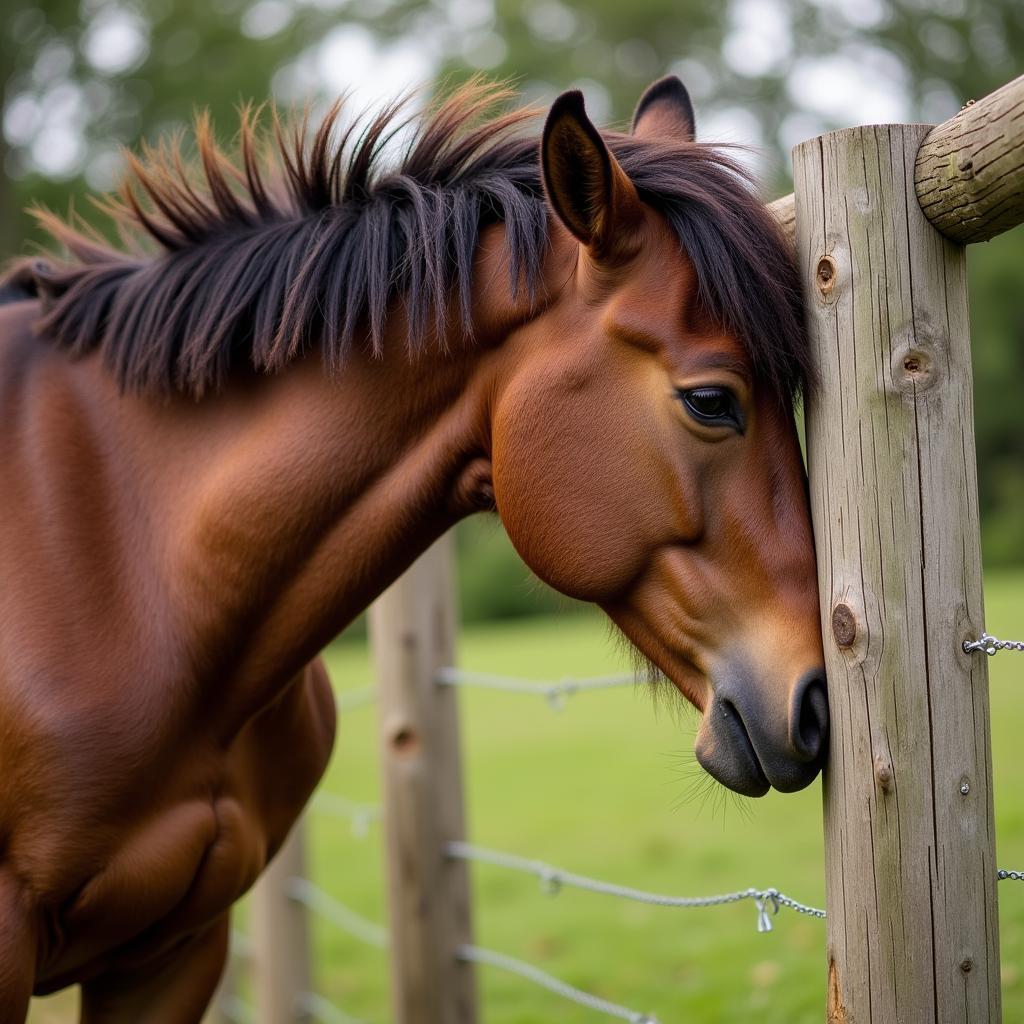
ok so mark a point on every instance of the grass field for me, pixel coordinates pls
(605, 788)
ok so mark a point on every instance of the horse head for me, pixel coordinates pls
(645, 452)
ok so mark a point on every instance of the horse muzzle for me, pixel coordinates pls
(746, 745)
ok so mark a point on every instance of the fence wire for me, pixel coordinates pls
(236, 1010)
(303, 891)
(555, 692)
(767, 901)
(316, 1007)
(352, 699)
(476, 955)
(553, 879)
(360, 816)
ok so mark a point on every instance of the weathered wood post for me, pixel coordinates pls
(280, 931)
(412, 628)
(909, 835)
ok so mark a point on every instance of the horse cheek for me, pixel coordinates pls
(572, 504)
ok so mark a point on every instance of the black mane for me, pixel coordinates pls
(257, 266)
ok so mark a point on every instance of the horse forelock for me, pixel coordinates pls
(307, 238)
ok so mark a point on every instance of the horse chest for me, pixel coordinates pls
(120, 880)
(174, 872)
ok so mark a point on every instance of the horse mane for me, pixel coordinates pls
(307, 237)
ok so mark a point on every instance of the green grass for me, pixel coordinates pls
(601, 788)
(596, 788)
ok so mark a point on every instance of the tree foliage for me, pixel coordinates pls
(83, 77)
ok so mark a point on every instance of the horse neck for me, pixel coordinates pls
(315, 492)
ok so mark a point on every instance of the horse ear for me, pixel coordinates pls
(665, 112)
(586, 187)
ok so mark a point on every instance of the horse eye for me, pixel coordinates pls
(712, 406)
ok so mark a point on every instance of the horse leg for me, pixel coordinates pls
(18, 948)
(174, 989)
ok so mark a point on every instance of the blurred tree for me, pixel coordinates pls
(81, 77)
(769, 71)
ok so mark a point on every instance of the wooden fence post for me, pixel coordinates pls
(909, 834)
(412, 629)
(280, 931)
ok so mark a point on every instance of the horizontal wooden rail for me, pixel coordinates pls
(785, 213)
(968, 172)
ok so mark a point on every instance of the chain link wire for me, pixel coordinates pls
(991, 646)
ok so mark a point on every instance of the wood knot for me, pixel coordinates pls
(966, 964)
(844, 626)
(825, 275)
(917, 367)
(883, 773)
(914, 369)
(405, 740)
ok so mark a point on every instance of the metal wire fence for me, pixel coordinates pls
(361, 816)
(991, 646)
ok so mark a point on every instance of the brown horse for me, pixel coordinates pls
(215, 455)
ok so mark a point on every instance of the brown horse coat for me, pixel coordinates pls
(183, 530)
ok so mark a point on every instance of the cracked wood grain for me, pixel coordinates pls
(912, 927)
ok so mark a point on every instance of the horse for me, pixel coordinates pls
(223, 438)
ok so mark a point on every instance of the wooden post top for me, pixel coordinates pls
(969, 170)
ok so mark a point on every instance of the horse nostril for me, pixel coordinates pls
(808, 721)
